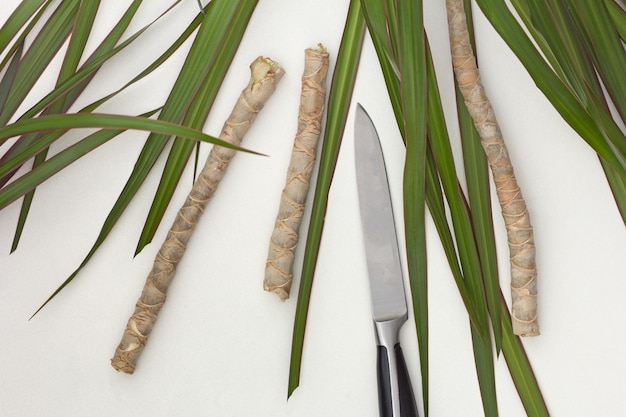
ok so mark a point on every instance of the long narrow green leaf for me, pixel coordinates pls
(566, 33)
(557, 93)
(80, 34)
(618, 187)
(22, 14)
(374, 13)
(141, 167)
(463, 231)
(485, 370)
(413, 87)
(479, 195)
(477, 179)
(478, 187)
(520, 369)
(10, 74)
(44, 171)
(87, 70)
(110, 122)
(27, 149)
(605, 48)
(173, 110)
(25, 32)
(618, 15)
(466, 243)
(106, 121)
(106, 45)
(339, 99)
(215, 45)
(189, 30)
(39, 54)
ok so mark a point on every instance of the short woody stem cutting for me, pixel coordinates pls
(264, 76)
(279, 265)
(516, 217)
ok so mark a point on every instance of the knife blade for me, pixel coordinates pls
(389, 307)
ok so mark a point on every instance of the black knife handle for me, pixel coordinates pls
(399, 390)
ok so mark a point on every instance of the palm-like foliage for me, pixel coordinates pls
(221, 28)
(575, 55)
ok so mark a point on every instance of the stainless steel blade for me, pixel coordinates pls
(381, 243)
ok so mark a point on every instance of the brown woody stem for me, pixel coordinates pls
(516, 217)
(279, 265)
(264, 76)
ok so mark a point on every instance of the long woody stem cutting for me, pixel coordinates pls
(264, 76)
(516, 217)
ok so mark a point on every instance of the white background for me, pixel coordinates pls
(221, 346)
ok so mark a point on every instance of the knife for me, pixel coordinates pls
(389, 308)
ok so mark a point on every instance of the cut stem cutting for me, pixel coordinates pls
(264, 76)
(517, 220)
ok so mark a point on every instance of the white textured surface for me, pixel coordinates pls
(221, 345)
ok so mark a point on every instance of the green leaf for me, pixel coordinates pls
(374, 12)
(80, 34)
(520, 369)
(107, 121)
(17, 20)
(106, 45)
(208, 60)
(67, 121)
(176, 104)
(27, 148)
(102, 51)
(478, 191)
(87, 70)
(374, 16)
(584, 46)
(485, 370)
(189, 30)
(618, 15)
(413, 87)
(553, 88)
(10, 74)
(39, 54)
(338, 105)
(605, 48)
(472, 284)
(61, 160)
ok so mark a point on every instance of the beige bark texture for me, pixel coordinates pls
(264, 76)
(516, 217)
(279, 265)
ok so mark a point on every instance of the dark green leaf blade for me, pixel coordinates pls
(10, 74)
(80, 34)
(22, 14)
(520, 368)
(106, 121)
(38, 56)
(553, 88)
(61, 160)
(338, 105)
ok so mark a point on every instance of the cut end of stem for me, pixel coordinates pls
(262, 68)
